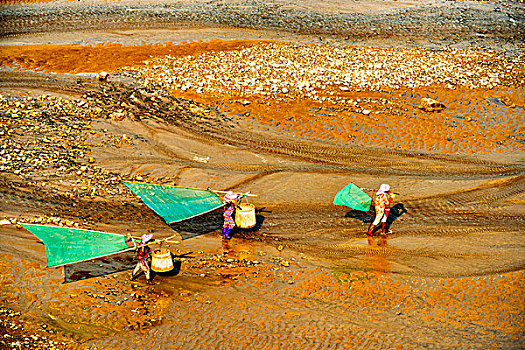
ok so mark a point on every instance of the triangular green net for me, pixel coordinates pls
(66, 245)
(353, 197)
(174, 203)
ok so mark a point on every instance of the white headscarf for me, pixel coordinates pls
(230, 196)
(383, 189)
(146, 238)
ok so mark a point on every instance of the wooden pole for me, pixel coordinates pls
(154, 241)
(371, 189)
(248, 194)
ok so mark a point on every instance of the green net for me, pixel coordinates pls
(66, 245)
(173, 203)
(353, 197)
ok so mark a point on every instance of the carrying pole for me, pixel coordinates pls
(167, 240)
(372, 189)
(248, 194)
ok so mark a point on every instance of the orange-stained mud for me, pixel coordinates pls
(16, 2)
(103, 57)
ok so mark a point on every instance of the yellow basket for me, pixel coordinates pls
(161, 260)
(245, 215)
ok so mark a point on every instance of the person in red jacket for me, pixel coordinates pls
(381, 202)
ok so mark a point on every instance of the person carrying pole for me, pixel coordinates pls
(382, 200)
(229, 214)
(143, 253)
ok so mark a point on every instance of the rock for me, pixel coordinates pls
(430, 105)
(507, 102)
(102, 76)
(5, 222)
(117, 116)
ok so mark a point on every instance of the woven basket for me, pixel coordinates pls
(161, 261)
(245, 215)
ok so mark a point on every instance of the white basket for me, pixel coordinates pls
(161, 261)
(245, 215)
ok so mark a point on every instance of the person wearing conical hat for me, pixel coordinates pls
(143, 253)
(382, 200)
(228, 213)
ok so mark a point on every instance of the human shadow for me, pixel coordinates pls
(395, 212)
(113, 264)
(250, 232)
(173, 272)
(210, 222)
(177, 263)
(259, 220)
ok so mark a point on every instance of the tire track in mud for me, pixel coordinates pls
(350, 158)
(341, 251)
(344, 157)
(345, 250)
(328, 331)
(326, 241)
(482, 204)
(34, 201)
(459, 208)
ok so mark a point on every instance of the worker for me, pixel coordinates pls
(229, 214)
(382, 200)
(143, 254)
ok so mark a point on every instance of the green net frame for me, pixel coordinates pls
(65, 245)
(353, 197)
(173, 203)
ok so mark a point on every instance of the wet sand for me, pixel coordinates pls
(228, 109)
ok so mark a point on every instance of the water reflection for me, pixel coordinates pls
(242, 250)
(377, 256)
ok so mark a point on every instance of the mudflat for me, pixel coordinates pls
(290, 101)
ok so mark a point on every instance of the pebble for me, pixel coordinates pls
(15, 336)
(47, 137)
(322, 72)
